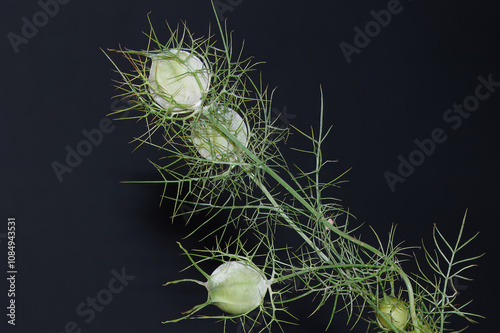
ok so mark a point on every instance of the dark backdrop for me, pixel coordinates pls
(75, 234)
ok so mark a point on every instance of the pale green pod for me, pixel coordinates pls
(236, 287)
(178, 80)
(211, 143)
(394, 311)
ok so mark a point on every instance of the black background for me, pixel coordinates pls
(72, 234)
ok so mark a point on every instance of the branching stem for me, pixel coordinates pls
(313, 212)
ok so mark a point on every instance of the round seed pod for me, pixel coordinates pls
(178, 80)
(212, 144)
(236, 287)
(394, 311)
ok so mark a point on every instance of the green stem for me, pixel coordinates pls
(313, 212)
(290, 222)
(411, 299)
(308, 270)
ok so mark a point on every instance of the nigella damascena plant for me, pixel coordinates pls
(210, 140)
(214, 116)
(178, 81)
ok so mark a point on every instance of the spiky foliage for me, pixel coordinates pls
(247, 179)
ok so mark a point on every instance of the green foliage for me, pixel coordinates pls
(246, 180)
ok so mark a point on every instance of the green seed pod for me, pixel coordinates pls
(211, 143)
(178, 80)
(394, 311)
(236, 287)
